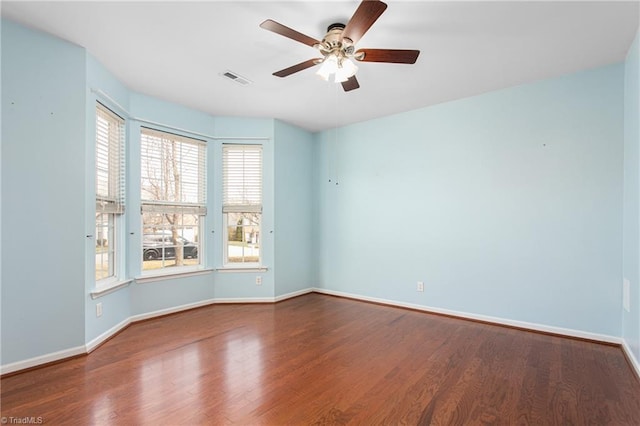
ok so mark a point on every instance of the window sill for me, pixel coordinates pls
(108, 289)
(173, 275)
(241, 269)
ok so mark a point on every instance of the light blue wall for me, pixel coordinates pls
(506, 204)
(115, 306)
(294, 266)
(246, 131)
(241, 127)
(48, 105)
(1, 138)
(43, 185)
(158, 295)
(631, 212)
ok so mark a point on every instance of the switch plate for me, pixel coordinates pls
(420, 286)
(259, 280)
(99, 310)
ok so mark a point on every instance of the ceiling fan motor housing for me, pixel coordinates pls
(333, 39)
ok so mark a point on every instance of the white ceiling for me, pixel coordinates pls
(177, 50)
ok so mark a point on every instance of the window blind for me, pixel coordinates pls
(173, 172)
(110, 185)
(242, 178)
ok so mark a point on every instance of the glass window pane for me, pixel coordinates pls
(170, 240)
(243, 237)
(105, 245)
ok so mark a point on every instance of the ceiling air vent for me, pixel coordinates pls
(236, 78)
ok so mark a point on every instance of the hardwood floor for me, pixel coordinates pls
(319, 359)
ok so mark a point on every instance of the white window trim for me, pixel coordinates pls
(107, 282)
(227, 269)
(175, 273)
(109, 288)
(170, 270)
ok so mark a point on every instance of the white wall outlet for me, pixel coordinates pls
(99, 309)
(259, 280)
(420, 286)
(626, 295)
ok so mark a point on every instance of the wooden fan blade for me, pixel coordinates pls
(288, 32)
(297, 67)
(350, 84)
(395, 56)
(365, 15)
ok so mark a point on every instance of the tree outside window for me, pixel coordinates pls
(173, 199)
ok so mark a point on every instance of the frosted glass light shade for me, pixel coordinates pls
(329, 66)
(342, 70)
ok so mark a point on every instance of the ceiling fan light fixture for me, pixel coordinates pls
(340, 77)
(345, 71)
(342, 69)
(349, 68)
(329, 66)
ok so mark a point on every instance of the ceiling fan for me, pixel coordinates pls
(338, 47)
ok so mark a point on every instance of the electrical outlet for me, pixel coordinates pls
(99, 309)
(259, 280)
(626, 295)
(420, 286)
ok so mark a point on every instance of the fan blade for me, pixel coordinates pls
(395, 56)
(365, 15)
(288, 32)
(297, 67)
(350, 84)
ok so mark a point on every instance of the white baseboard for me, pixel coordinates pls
(634, 361)
(264, 299)
(94, 343)
(292, 294)
(90, 346)
(42, 359)
(229, 300)
(172, 310)
(477, 317)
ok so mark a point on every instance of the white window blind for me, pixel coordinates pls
(242, 178)
(110, 177)
(173, 173)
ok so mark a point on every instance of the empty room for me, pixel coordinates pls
(339, 212)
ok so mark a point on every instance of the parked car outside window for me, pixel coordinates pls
(161, 246)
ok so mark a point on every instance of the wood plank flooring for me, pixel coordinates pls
(318, 359)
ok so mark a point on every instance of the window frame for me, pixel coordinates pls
(234, 265)
(167, 206)
(110, 222)
(109, 200)
(250, 202)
